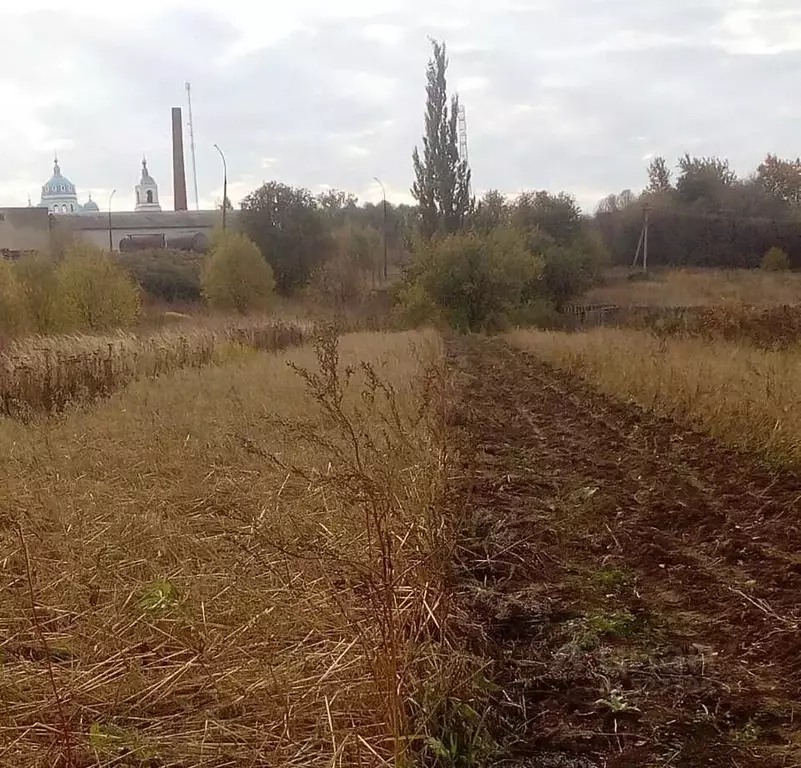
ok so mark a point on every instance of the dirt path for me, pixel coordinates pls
(637, 585)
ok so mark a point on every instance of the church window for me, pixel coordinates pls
(137, 197)
(72, 208)
(63, 207)
(149, 195)
(62, 187)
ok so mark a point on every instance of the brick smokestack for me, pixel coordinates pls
(178, 171)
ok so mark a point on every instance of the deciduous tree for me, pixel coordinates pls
(472, 279)
(558, 215)
(704, 181)
(659, 177)
(493, 210)
(285, 223)
(781, 179)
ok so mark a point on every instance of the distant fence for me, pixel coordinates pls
(591, 315)
(582, 316)
(769, 327)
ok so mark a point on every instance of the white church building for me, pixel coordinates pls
(60, 196)
(146, 224)
(31, 228)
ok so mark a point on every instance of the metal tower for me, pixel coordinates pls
(462, 127)
(462, 122)
(192, 144)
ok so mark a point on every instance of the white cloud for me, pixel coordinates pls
(760, 30)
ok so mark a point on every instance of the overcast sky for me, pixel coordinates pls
(560, 94)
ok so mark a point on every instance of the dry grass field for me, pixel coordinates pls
(698, 287)
(743, 395)
(227, 566)
(48, 373)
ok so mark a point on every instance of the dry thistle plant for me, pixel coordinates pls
(378, 534)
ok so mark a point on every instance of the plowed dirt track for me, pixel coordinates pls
(636, 586)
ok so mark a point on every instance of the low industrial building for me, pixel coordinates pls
(173, 225)
(34, 229)
(23, 230)
(59, 217)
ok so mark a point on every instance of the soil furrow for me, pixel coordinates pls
(637, 585)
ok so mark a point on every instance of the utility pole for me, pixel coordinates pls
(645, 242)
(642, 245)
(225, 187)
(110, 239)
(384, 193)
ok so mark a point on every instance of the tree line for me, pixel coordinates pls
(703, 214)
(469, 263)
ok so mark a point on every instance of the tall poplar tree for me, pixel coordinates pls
(442, 178)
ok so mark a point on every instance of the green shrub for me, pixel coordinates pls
(471, 280)
(39, 284)
(13, 313)
(172, 276)
(236, 276)
(567, 273)
(775, 260)
(96, 293)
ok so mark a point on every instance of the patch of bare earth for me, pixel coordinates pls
(636, 587)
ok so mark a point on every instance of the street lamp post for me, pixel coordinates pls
(110, 239)
(384, 193)
(225, 186)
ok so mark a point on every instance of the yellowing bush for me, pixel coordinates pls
(236, 276)
(96, 293)
(775, 260)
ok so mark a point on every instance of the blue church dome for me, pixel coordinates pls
(58, 185)
(91, 206)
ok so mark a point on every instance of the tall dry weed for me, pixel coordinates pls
(379, 534)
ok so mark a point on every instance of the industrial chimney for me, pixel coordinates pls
(178, 171)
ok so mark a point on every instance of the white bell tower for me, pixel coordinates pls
(147, 191)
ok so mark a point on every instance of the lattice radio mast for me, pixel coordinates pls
(192, 144)
(462, 123)
(462, 128)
